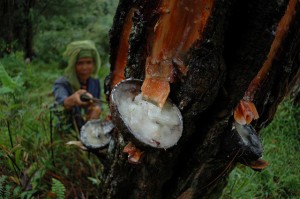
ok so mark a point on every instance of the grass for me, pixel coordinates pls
(281, 179)
(30, 169)
(26, 157)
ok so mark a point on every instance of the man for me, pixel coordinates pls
(80, 78)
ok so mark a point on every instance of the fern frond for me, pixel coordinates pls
(2, 180)
(8, 84)
(27, 194)
(17, 192)
(8, 191)
(58, 188)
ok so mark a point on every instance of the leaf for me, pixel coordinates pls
(6, 80)
(17, 191)
(5, 90)
(95, 181)
(27, 194)
(58, 188)
(2, 180)
(78, 144)
(8, 188)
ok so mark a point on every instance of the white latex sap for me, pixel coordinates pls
(152, 125)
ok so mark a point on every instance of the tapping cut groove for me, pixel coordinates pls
(121, 60)
(246, 111)
(281, 32)
(181, 24)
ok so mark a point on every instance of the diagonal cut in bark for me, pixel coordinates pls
(181, 23)
(281, 32)
(121, 58)
(246, 111)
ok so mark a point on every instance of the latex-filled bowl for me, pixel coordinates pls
(142, 122)
(95, 134)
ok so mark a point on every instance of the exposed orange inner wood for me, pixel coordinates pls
(121, 59)
(245, 112)
(156, 91)
(281, 32)
(181, 23)
(134, 154)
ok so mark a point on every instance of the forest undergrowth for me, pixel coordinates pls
(34, 158)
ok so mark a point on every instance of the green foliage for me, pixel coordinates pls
(11, 94)
(8, 84)
(29, 159)
(95, 181)
(74, 22)
(5, 188)
(58, 188)
(25, 118)
(281, 149)
(2, 180)
(9, 190)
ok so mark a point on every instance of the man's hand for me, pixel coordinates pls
(74, 99)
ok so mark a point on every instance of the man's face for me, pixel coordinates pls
(84, 68)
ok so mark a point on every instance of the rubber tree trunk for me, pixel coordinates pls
(220, 53)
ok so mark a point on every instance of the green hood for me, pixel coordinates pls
(71, 54)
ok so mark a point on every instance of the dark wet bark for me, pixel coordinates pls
(221, 64)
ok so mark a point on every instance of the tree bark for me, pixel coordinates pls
(28, 43)
(18, 29)
(237, 48)
(7, 21)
